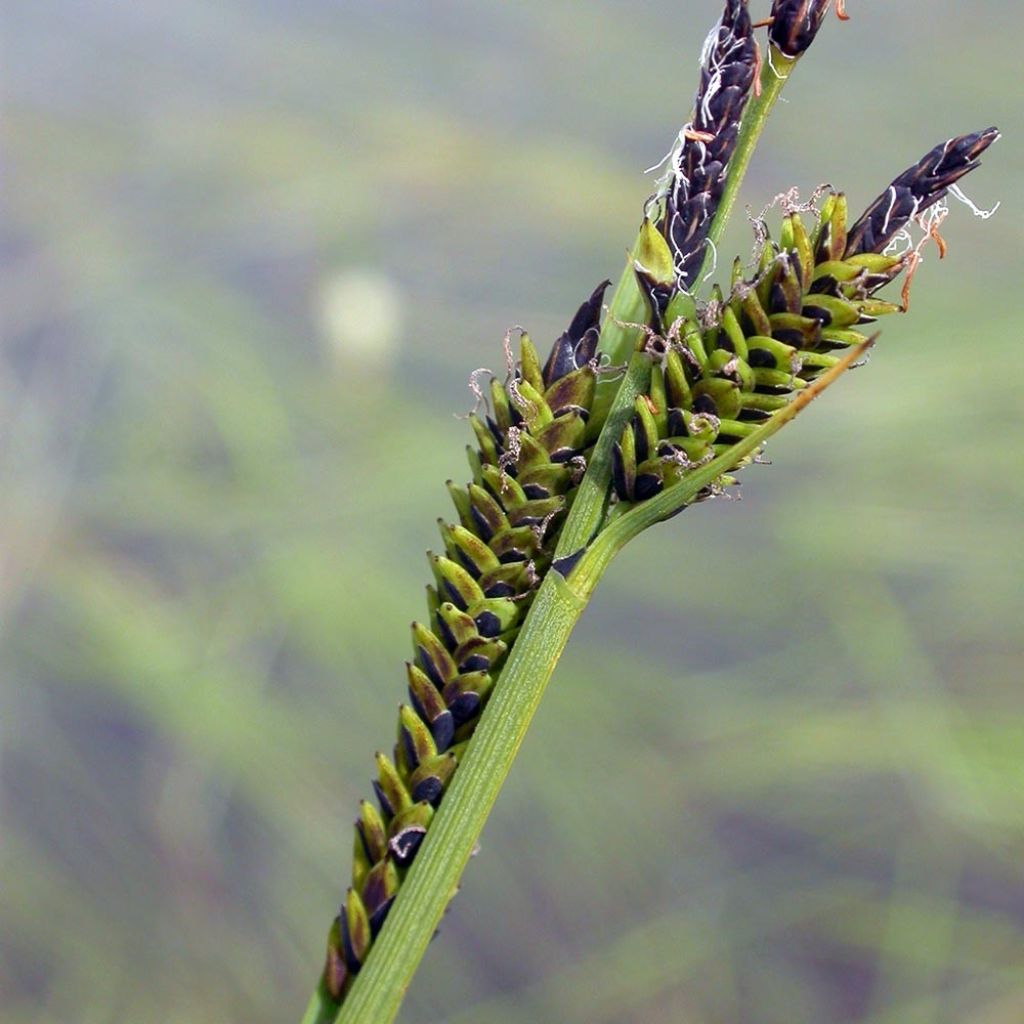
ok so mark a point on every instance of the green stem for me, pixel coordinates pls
(626, 309)
(619, 333)
(321, 1010)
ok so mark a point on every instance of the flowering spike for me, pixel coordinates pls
(654, 268)
(480, 654)
(710, 375)
(370, 831)
(467, 549)
(918, 187)
(529, 363)
(495, 555)
(431, 709)
(336, 973)
(572, 393)
(700, 165)
(455, 627)
(773, 336)
(415, 738)
(429, 780)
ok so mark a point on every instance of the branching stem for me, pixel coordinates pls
(377, 992)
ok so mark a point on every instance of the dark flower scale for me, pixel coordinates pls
(525, 468)
(917, 188)
(795, 23)
(699, 168)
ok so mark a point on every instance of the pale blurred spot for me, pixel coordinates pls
(360, 312)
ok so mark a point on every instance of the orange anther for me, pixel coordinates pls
(912, 266)
(695, 136)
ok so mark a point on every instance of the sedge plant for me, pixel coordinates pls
(647, 404)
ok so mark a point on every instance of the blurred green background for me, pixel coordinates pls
(251, 253)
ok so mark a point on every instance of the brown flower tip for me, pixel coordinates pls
(795, 23)
(918, 187)
(700, 166)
